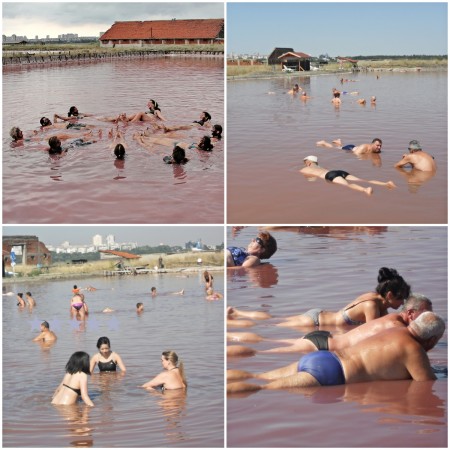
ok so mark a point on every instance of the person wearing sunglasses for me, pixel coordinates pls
(261, 247)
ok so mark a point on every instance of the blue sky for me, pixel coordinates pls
(143, 235)
(339, 29)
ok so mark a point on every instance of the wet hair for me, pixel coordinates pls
(208, 277)
(45, 324)
(119, 151)
(269, 244)
(153, 289)
(29, 294)
(390, 281)
(138, 305)
(178, 155)
(217, 131)
(55, 144)
(170, 355)
(20, 294)
(72, 111)
(377, 140)
(155, 104)
(78, 362)
(75, 286)
(45, 121)
(205, 144)
(428, 325)
(14, 133)
(337, 94)
(207, 116)
(415, 302)
(103, 340)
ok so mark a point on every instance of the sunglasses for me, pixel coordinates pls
(259, 241)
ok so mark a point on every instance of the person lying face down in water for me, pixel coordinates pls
(374, 147)
(324, 340)
(262, 247)
(397, 353)
(312, 169)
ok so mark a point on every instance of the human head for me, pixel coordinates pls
(78, 362)
(310, 159)
(119, 151)
(139, 307)
(55, 144)
(45, 121)
(178, 154)
(103, 340)
(205, 144)
(45, 324)
(153, 290)
(75, 286)
(390, 282)
(20, 294)
(415, 305)
(373, 99)
(414, 146)
(170, 356)
(206, 116)
(29, 294)
(428, 329)
(217, 131)
(209, 291)
(16, 133)
(153, 104)
(377, 143)
(264, 245)
(73, 111)
(336, 94)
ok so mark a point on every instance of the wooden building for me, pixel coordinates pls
(273, 60)
(140, 34)
(297, 61)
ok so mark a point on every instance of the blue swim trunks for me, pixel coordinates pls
(348, 147)
(324, 366)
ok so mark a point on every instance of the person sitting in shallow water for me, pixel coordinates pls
(172, 377)
(45, 335)
(417, 158)
(154, 112)
(30, 300)
(107, 360)
(139, 307)
(312, 169)
(20, 300)
(178, 156)
(74, 383)
(216, 132)
(262, 247)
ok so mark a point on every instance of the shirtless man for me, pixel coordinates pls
(374, 147)
(337, 99)
(398, 353)
(324, 340)
(417, 158)
(30, 300)
(295, 90)
(312, 169)
(45, 335)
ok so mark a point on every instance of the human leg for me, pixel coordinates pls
(355, 187)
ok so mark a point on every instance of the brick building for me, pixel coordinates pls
(34, 252)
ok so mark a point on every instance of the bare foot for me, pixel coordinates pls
(390, 184)
(368, 191)
(337, 142)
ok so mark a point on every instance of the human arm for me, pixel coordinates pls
(120, 363)
(40, 337)
(84, 391)
(159, 380)
(93, 362)
(251, 261)
(406, 159)
(418, 365)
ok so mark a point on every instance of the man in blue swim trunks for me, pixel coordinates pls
(312, 169)
(374, 147)
(393, 354)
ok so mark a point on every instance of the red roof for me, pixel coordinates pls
(165, 29)
(295, 54)
(354, 61)
(121, 254)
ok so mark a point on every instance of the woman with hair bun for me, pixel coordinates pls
(173, 375)
(390, 292)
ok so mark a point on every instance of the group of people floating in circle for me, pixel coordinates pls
(80, 134)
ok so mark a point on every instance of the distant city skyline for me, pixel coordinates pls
(338, 29)
(143, 235)
(89, 19)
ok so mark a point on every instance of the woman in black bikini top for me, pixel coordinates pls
(106, 359)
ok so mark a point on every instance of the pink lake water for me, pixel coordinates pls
(327, 268)
(87, 185)
(124, 415)
(270, 134)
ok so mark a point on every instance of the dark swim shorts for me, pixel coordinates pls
(348, 147)
(324, 366)
(332, 174)
(319, 338)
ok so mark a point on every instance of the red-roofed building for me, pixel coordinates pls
(168, 32)
(119, 254)
(295, 60)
